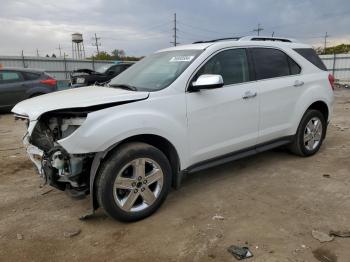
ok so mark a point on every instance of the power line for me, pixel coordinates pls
(258, 29)
(211, 31)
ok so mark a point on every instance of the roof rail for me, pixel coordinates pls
(217, 40)
(249, 38)
(266, 38)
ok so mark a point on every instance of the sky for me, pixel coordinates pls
(140, 27)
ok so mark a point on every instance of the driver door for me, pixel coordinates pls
(223, 120)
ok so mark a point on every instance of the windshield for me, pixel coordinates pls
(156, 71)
(103, 69)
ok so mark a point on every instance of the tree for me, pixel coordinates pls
(118, 54)
(339, 49)
(53, 56)
(103, 55)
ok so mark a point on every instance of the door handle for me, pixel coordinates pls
(298, 83)
(249, 94)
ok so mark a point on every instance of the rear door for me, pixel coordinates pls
(280, 85)
(225, 119)
(12, 88)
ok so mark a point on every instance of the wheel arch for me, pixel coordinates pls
(322, 107)
(157, 141)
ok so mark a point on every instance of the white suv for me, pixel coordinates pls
(178, 111)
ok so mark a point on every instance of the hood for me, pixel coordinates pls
(82, 97)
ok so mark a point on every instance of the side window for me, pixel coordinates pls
(9, 77)
(231, 64)
(294, 67)
(115, 69)
(30, 76)
(310, 54)
(270, 63)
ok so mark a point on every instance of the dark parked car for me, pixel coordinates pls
(85, 77)
(17, 84)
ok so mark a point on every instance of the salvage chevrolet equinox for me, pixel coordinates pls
(175, 112)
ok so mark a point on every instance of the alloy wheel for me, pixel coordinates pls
(138, 185)
(313, 133)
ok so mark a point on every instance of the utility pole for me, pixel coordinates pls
(258, 29)
(273, 34)
(97, 43)
(37, 52)
(175, 31)
(60, 49)
(325, 42)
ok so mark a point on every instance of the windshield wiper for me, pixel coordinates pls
(124, 86)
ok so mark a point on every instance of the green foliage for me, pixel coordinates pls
(116, 54)
(339, 49)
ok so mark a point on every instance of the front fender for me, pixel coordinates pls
(105, 128)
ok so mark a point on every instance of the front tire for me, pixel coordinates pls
(310, 134)
(134, 182)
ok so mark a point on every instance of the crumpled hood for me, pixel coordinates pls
(75, 98)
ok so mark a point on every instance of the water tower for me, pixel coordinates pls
(78, 50)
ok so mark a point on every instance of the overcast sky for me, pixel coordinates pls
(143, 26)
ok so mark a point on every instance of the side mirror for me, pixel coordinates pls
(207, 82)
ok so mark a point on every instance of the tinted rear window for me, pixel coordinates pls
(270, 63)
(30, 75)
(311, 56)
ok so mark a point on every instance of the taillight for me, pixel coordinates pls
(331, 80)
(50, 82)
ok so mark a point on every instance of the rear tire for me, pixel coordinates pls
(133, 182)
(310, 134)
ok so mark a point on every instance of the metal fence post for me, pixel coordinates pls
(93, 63)
(65, 65)
(334, 58)
(24, 64)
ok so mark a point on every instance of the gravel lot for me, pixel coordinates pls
(270, 202)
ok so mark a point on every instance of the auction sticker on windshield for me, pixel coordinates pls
(182, 58)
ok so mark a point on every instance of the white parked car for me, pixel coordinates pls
(178, 111)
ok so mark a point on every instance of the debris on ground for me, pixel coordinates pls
(326, 175)
(321, 236)
(71, 233)
(46, 192)
(19, 236)
(240, 252)
(219, 235)
(218, 217)
(339, 233)
(324, 255)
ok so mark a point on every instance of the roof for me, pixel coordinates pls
(23, 69)
(243, 41)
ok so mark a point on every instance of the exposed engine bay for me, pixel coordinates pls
(58, 168)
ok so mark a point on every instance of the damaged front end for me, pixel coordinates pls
(56, 166)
